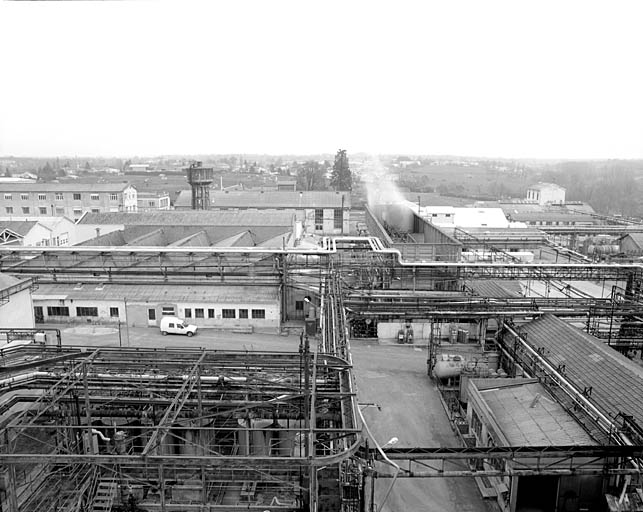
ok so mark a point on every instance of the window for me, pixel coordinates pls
(151, 204)
(59, 196)
(42, 210)
(24, 197)
(78, 212)
(60, 211)
(299, 305)
(243, 313)
(113, 197)
(9, 209)
(167, 311)
(258, 313)
(8, 197)
(93, 197)
(228, 313)
(339, 218)
(319, 219)
(210, 313)
(198, 313)
(95, 210)
(84, 311)
(25, 210)
(188, 312)
(42, 197)
(151, 314)
(113, 312)
(57, 311)
(76, 196)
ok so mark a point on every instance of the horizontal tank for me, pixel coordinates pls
(448, 365)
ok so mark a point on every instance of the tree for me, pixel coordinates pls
(310, 176)
(341, 176)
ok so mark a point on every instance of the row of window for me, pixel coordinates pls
(80, 311)
(338, 218)
(59, 196)
(42, 210)
(225, 313)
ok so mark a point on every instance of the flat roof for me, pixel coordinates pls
(194, 293)
(528, 415)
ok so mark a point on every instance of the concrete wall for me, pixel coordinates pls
(18, 312)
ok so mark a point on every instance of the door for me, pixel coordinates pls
(151, 316)
(39, 314)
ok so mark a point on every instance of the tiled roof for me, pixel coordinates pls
(207, 293)
(528, 416)
(270, 199)
(19, 227)
(193, 218)
(64, 187)
(617, 382)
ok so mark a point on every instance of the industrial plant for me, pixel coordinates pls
(543, 391)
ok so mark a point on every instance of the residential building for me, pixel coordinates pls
(16, 307)
(150, 201)
(546, 193)
(48, 231)
(72, 200)
(24, 233)
(321, 213)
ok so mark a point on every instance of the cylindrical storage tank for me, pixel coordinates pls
(448, 366)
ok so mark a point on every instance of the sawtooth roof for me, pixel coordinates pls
(193, 218)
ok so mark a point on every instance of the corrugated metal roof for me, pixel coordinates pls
(495, 289)
(193, 218)
(206, 293)
(64, 187)
(271, 199)
(617, 382)
(529, 416)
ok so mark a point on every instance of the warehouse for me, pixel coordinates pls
(247, 308)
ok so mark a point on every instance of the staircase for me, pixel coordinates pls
(105, 495)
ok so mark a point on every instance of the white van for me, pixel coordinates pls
(175, 325)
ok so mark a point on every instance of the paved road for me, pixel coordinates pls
(390, 375)
(394, 377)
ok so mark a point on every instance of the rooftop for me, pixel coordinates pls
(20, 227)
(270, 199)
(616, 382)
(206, 293)
(527, 415)
(64, 187)
(192, 218)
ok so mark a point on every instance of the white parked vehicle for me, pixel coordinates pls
(176, 325)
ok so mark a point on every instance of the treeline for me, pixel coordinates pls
(611, 187)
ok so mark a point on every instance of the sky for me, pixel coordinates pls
(514, 79)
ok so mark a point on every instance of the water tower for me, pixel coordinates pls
(200, 178)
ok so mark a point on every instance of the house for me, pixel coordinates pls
(546, 193)
(47, 231)
(321, 212)
(66, 199)
(520, 412)
(16, 307)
